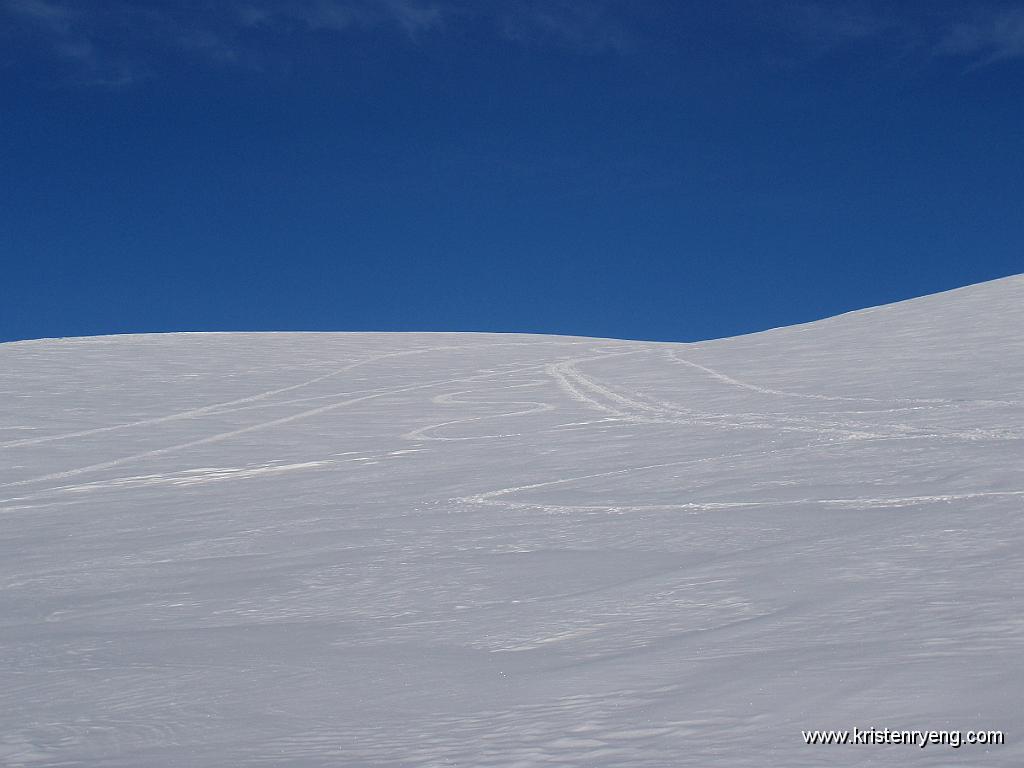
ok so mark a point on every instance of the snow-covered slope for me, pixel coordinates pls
(481, 550)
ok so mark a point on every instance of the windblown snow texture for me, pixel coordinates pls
(484, 550)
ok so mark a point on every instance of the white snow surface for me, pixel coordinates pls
(418, 549)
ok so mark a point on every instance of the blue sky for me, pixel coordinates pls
(657, 170)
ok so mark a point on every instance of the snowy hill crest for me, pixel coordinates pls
(474, 549)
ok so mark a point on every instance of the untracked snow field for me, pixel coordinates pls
(510, 550)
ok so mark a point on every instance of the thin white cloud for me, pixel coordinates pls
(208, 43)
(63, 31)
(53, 15)
(587, 27)
(831, 23)
(992, 37)
(115, 45)
(411, 16)
(117, 42)
(122, 40)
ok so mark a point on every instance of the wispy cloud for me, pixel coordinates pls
(410, 16)
(119, 42)
(415, 18)
(64, 31)
(54, 20)
(591, 27)
(981, 31)
(584, 26)
(829, 24)
(986, 37)
(51, 15)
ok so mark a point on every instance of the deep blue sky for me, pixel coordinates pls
(658, 170)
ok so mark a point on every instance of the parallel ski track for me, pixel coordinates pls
(266, 424)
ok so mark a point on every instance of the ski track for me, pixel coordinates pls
(452, 398)
(633, 408)
(912, 402)
(233, 433)
(215, 408)
(586, 390)
(268, 424)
